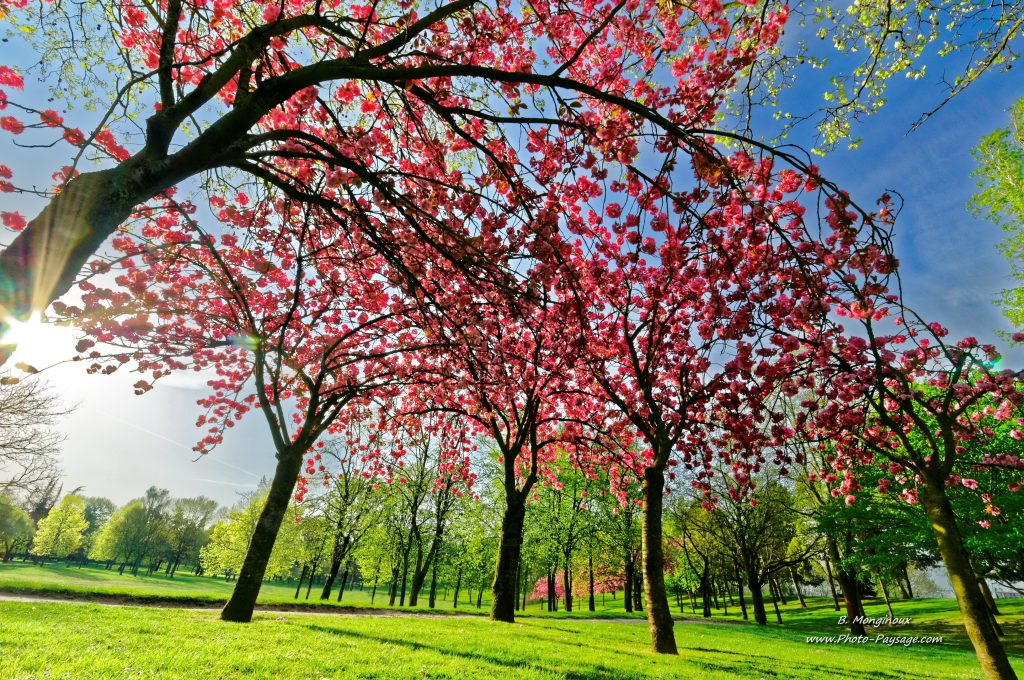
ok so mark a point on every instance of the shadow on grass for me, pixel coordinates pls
(591, 672)
(738, 664)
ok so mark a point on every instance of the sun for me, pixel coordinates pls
(35, 341)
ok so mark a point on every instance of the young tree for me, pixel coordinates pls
(350, 503)
(60, 533)
(229, 539)
(16, 528)
(188, 530)
(97, 511)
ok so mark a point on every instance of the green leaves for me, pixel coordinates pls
(1000, 198)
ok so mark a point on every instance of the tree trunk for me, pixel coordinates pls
(832, 584)
(405, 571)
(848, 584)
(590, 564)
(973, 608)
(778, 590)
(638, 590)
(796, 588)
(743, 601)
(773, 588)
(332, 573)
(910, 586)
(433, 586)
(627, 594)
(309, 586)
(458, 584)
(885, 595)
(393, 591)
(526, 582)
(41, 263)
(503, 590)
(302, 577)
(243, 599)
(757, 600)
(567, 586)
(987, 593)
(341, 587)
(659, 616)
(705, 594)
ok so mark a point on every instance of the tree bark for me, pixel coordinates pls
(757, 600)
(796, 588)
(302, 577)
(659, 616)
(337, 556)
(503, 590)
(243, 599)
(341, 586)
(987, 593)
(590, 564)
(433, 586)
(705, 593)
(885, 595)
(627, 593)
(773, 588)
(973, 609)
(851, 595)
(832, 584)
(567, 586)
(743, 601)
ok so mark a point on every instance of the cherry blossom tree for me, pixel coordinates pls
(292, 318)
(508, 371)
(412, 113)
(903, 398)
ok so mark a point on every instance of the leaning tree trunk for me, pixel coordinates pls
(659, 616)
(247, 587)
(503, 600)
(832, 585)
(337, 556)
(973, 607)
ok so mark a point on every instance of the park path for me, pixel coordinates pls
(124, 601)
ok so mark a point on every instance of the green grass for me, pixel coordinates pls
(81, 640)
(87, 640)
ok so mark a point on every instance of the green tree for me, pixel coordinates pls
(60, 533)
(16, 528)
(1000, 198)
(229, 539)
(188, 530)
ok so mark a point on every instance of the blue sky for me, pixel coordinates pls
(118, 444)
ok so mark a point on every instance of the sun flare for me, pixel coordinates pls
(36, 341)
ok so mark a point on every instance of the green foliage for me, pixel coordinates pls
(16, 528)
(60, 533)
(1000, 198)
(229, 539)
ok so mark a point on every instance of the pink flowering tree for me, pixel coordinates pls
(918, 406)
(291, 319)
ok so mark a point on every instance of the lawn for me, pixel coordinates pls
(82, 640)
(88, 640)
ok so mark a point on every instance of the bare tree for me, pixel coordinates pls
(29, 440)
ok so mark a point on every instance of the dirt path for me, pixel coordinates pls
(327, 610)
